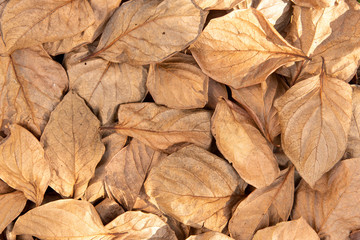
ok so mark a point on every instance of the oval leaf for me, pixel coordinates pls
(11, 205)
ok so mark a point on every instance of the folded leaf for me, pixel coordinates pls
(11, 205)
(108, 210)
(352, 149)
(278, 12)
(316, 3)
(216, 4)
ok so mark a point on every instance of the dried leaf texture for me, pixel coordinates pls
(278, 12)
(27, 23)
(23, 165)
(216, 4)
(105, 85)
(31, 86)
(242, 144)
(72, 144)
(164, 128)
(11, 205)
(331, 207)
(242, 49)
(4, 188)
(178, 83)
(210, 236)
(108, 210)
(136, 158)
(317, 111)
(138, 225)
(352, 149)
(62, 219)
(216, 92)
(146, 31)
(195, 187)
(317, 3)
(264, 207)
(294, 230)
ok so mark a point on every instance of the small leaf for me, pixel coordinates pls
(11, 205)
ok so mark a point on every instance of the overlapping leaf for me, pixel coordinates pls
(11, 205)
(216, 4)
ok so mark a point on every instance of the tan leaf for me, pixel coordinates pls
(278, 12)
(23, 165)
(24, 23)
(353, 150)
(242, 49)
(264, 207)
(136, 158)
(331, 207)
(316, 3)
(216, 92)
(317, 111)
(11, 205)
(108, 210)
(138, 225)
(164, 128)
(105, 85)
(195, 187)
(72, 144)
(178, 83)
(31, 86)
(216, 4)
(2, 44)
(242, 144)
(4, 188)
(293, 230)
(210, 236)
(149, 31)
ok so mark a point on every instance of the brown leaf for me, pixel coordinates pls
(352, 149)
(316, 111)
(178, 83)
(316, 3)
(136, 158)
(264, 207)
(23, 165)
(293, 230)
(209, 236)
(331, 207)
(195, 187)
(11, 205)
(108, 210)
(105, 85)
(72, 144)
(31, 86)
(216, 4)
(4, 188)
(216, 92)
(27, 23)
(242, 144)
(164, 128)
(242, 49)
(150, 31)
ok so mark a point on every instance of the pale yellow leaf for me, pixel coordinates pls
(216, 4)
(195, 187)
(11, 205)
(72, 144)
(210, 236)
(353, 149)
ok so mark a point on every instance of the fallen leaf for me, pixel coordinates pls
(24, 23)
(317, 3)
(150, 31)
(210, 236)
(216, 4)
(264, 207)
(242, 49)
(331, 206)
(164, 128)
(292, 230)
(108, 210)
(72, 144)
(352, 149)
(242, 144)
(195, 187)
(216, 91)
(4, 188)
(11, 205)
(354, 235)
(23, 165)
(178, 83)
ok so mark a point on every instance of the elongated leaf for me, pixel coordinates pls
(352, 149)
(242, 144)
(181, 186)
(216, 4)
(23, 165)
(72, 144)
(242, 49)
(11, 205)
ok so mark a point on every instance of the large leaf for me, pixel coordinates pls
(72, 144)
(331, 207)
(315, 116)
(352, 149)
(23, 164)
(11, 205)
(148, 31)
(26, 23)
(242, 144)
(195, 187)
(242, 49)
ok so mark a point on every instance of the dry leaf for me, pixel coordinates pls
(4, 188)
(143, 31)
(31, 86)
(242, 144)
(178, 83)
(136, 158)
(293, 230)
(195, 187)
(11, 205)
(354, 235)
(105, 85)
(316, 111)
(210, 236)
(216, 4)
(108, 210)
(242, 49)
(72, 144)
(332, 206)
(264, 207)
(216, 92)
(23, 165)
(27, 23)
(353, 150)
(138, 225)
(164, 128)
(316, 3)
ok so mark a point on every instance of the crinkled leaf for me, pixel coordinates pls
(11, 205)
(353, 150)
(278, 12)
(316, 3)
(216, 4)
